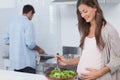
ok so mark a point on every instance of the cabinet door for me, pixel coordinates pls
(101, 1)
(112, 1)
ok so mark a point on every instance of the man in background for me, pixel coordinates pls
(21, 40)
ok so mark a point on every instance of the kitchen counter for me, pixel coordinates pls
(12, 75)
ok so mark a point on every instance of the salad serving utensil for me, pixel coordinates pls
(57, 66)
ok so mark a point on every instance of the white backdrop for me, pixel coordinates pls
(47, 25)
(55, 25)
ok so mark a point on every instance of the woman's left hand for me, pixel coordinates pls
(92, 75)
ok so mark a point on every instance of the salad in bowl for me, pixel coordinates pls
(59, 74)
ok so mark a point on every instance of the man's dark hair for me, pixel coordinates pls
(28, 8)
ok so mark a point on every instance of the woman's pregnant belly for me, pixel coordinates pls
(89, 60)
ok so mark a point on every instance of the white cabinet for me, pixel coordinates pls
(101, 1)
(112, 1)
(74, 1)
(6, 63)
(64, 1)
(109, 1)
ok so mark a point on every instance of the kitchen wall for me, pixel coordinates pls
(56, 25)
(48, 33)
(70, 34)
(4, 21)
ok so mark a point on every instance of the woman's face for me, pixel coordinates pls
(88, 13)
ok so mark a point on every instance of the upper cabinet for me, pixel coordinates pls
(74, 1)
(7, 4)
(64, 1)
(109, 1)
(112, 1)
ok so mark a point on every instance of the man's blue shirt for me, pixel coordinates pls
(21, 39)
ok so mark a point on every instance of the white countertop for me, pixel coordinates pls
(12, 75)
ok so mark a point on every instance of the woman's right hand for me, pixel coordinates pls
(61, 60)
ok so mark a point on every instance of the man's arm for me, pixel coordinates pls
(38, 49)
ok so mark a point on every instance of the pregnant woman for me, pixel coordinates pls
(100, 53)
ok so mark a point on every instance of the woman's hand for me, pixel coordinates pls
(61, 60)
(92, 75)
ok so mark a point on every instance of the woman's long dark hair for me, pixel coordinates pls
(84, 26)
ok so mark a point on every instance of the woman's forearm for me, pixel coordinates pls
(73, 61)
(103, 71)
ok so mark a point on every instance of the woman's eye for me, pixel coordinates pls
(85, 11)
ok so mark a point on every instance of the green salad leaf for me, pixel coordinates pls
(58, 73)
